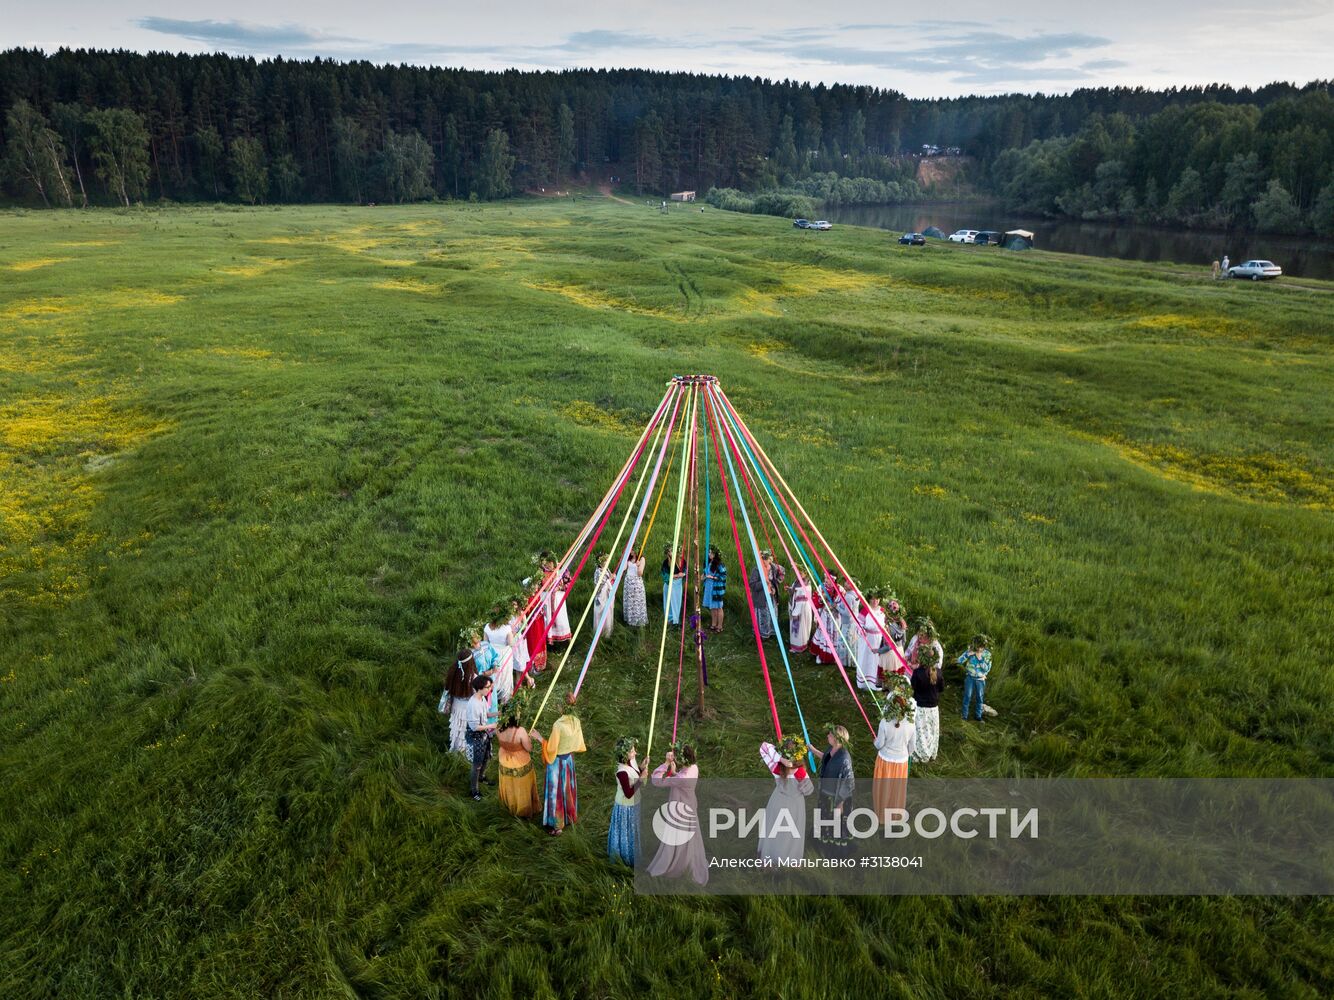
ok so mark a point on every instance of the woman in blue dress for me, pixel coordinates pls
(623, 836)
(673, 585)
(715, 586)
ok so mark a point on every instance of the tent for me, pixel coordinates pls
(1018, 239)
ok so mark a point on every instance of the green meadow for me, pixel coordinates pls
(258, 466)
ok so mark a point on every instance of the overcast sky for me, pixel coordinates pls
(945, 48)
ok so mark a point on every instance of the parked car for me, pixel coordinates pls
(963, 236)
(913, 239)
(802, 223)
(822, 225)
(988, 236)
(1256, 270)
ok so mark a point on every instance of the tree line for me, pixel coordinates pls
(84, 126)
(1209, 164)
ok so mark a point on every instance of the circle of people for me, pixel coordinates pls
(488, 693)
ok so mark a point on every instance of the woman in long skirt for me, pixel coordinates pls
(623, 834)
(500, 637)
(536, 637)
(673, 585)
(892, 655)
(634, 600)
(928, 680)
(824, 634)
(604, 596)
(558, 616)
(518, 780)
(799, 615)
(682, 811)
(519, 643)
(868, 642)
(560, 806)
(783, 834)
(894, 744)
(849, 616)
(715, 588)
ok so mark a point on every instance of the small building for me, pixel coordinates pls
(684, 196)
(1018, 239)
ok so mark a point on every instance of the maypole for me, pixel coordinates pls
(676, 538)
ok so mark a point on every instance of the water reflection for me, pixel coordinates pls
(1298, 256)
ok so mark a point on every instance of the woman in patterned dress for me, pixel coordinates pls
(634, 600)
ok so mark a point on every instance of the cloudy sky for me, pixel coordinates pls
(945, 48)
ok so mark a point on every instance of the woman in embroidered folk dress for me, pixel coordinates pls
(825, 635)
(783, 833)
(604, 596)
(558, 616)
(560, 805)
(892, 656)
(500, 637)
(715, 587)
(623, 834)
(928, 680)
(869, 637)
(537, 628)
(673, 585)
(518, 780)
(519, 644)
(894, 742)
(458, 687)
(682, 810)
(634, 599)
(925, 647)
(799, 615)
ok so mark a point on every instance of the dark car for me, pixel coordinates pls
(802, 223)
(913, 239)
(988, 236)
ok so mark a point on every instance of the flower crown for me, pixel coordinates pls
(838, 732)
(792, 747)
(899, 705)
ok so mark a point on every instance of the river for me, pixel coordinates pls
(1305, 257)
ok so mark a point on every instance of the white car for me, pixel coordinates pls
(822, 225)
(1256, 270)
(963, 236)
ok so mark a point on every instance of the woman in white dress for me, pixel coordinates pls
(635, 602)
(868, 642)
(799, 615)
(783, 834)
(604, 596)
(500, 637)
(519, 642)
(557, 582)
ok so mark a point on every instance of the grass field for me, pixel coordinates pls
(257, 467)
